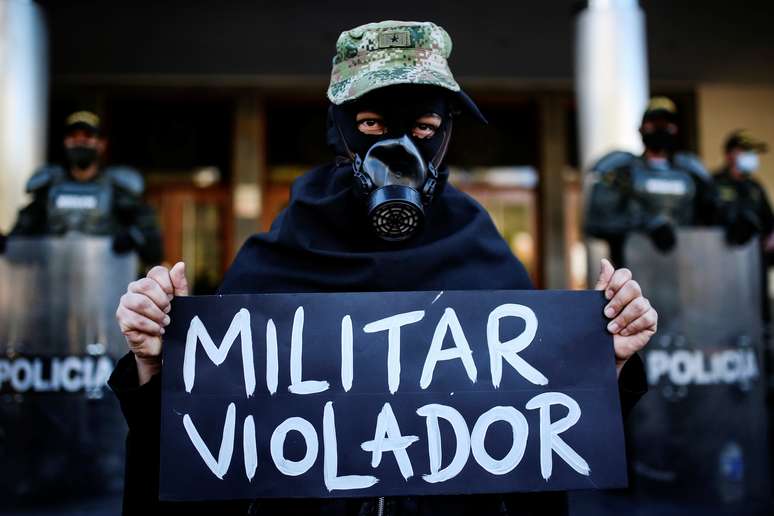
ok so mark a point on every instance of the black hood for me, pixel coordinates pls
(322, 242)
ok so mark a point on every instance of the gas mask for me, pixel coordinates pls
(81, 157)
(396, 172)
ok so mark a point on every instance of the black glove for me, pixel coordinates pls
(662, 234)
(123, 242)
(742, 227)
(3, 240)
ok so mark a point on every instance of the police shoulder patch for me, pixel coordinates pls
(126, 178)
(44, 176)
(727, 193)
(692, 164)
(613, 160)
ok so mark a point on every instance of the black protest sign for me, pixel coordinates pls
(331, 395)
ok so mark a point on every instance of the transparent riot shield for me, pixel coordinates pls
(699, 437)
(61, 431)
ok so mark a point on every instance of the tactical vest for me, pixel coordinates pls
(85, 207)
(668, 192)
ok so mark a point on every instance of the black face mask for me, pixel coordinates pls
(81, 157)
(659, 140)
(396, 173)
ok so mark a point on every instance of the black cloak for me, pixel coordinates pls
(322, 243)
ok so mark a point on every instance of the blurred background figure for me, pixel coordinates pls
(83, 196)
(652, 193)
(744, 208)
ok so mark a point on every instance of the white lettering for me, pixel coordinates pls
(549, 432)
(21, 375)
(393, 325)
(76, 202)
(387, 437)
(103, 371)
(509, 349)
(71, 382)
(346, 353)
(240, 325)
(297, 385)
(272, 360)
(277, 446)
(685, 367)
(432, 412)
(249, 447)
(5, 371)
(658, 365)
(219, 467)
(331, 460)
(520, 430)
(461, 349)
(39, 384)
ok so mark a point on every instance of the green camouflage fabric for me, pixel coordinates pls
(382, 54)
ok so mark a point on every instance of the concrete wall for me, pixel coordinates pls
(723, 108)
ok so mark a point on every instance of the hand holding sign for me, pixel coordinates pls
(633, 319)
(142, 314)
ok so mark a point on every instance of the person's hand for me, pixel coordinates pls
(663, 236)
(123, 242)
(743, 227)
(142, 314)
(632, 320)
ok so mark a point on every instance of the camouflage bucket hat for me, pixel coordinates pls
(386, 53)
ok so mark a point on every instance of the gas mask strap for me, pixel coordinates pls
(436, 161)
(352, 156)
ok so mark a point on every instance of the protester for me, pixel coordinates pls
(381, 217)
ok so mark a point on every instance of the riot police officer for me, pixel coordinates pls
(84, 197)
(652, 193)
(742, 204)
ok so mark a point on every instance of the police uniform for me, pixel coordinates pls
(628, 193)
(110, 204)
(743, 207)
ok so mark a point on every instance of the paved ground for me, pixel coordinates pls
(595, 503)
(581, 504)
(108, 505)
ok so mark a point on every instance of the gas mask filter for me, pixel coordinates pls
(397, 184)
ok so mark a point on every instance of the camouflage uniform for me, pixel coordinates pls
(387, 53)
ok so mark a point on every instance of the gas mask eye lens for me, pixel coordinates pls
(426, 126)
(371, 123)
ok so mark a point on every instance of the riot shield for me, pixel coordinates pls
(699, 436)
(61, 431)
